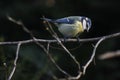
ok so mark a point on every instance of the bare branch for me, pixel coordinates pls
(61, 39)
(93, 55)
(109, 55)
(15, 61)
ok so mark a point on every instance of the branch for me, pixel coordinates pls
(93, 55)
(15, 61)
(61, 39)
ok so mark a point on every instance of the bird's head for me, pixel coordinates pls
(86, 22)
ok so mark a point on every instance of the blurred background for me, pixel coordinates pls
(33, 63)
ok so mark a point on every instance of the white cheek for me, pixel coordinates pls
(84, 24)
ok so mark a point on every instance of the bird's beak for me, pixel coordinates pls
(87, 30)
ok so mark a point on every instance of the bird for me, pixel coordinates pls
(71, 26)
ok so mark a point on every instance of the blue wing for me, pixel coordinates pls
(64, 20)
(67, 20)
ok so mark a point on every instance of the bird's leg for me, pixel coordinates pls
(65, 39)
(78, 39)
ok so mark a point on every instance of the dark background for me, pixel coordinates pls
(33, 63)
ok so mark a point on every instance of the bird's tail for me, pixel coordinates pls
(47, 19)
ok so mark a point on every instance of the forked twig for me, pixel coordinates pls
(93, 55)
(53, 61)
(15, 61)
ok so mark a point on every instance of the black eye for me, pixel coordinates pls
(88, 24)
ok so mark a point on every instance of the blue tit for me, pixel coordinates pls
(71, 26)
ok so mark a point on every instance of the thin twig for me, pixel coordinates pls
(60, 69)
(93, 55)
(15, 61)
(21, 24)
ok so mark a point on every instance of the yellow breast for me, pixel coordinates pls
(79, 27)
(71, 30)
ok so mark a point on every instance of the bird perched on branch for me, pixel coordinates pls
(71, 26)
